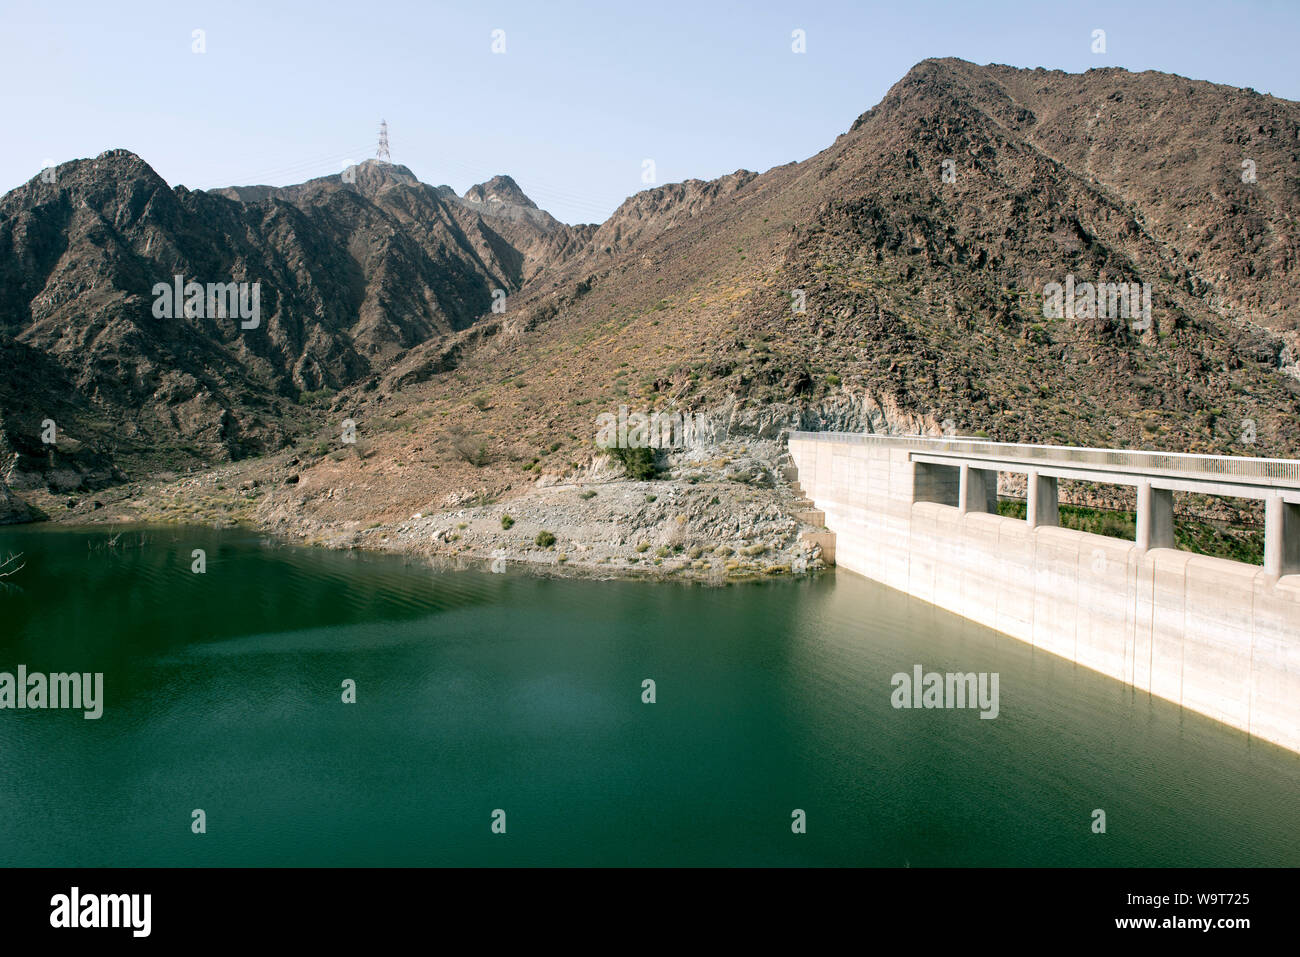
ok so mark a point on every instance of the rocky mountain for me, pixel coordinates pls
(657, 210)
(920, 245)
(896, 280)
(503, 193)
(352, 271)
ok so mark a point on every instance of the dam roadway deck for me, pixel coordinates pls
(1217, 636)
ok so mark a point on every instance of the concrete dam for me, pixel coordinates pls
(1219, 637)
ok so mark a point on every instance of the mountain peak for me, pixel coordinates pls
(380, 169)
(499, 189)
(115, 163)
(100, 183)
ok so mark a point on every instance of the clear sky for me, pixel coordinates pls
(582, 95)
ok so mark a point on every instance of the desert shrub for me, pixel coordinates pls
(507, 522)
(544, 539)
(638, 463)
(471, 449)
(315, 398)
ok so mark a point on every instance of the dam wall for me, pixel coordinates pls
(1219, 637)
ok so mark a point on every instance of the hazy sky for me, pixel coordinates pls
(582, 95)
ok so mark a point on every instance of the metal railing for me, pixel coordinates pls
(1253, 471)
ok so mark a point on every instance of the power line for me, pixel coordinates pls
(301, 165)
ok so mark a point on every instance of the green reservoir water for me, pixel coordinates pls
(479, 691)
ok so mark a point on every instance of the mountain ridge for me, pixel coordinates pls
(923, 293)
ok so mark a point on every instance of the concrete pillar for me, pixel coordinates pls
(979, 490)
(984, 491)
(1281, 536)
(1155, 517)
(1043, 503)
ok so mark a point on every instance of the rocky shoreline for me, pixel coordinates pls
(723, 513)
(718, 513)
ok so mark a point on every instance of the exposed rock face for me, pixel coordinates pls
(841, 412)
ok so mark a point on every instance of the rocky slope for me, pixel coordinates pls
(893, 282)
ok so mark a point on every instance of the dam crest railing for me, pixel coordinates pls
(1181, 464)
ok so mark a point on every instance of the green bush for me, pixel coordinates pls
(1240, 544)
(638, 463)
(1012, 508)
(506, 522)
(313, 398)
(544, 539)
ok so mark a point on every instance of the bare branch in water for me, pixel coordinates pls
(112, 544)
(10, 565)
